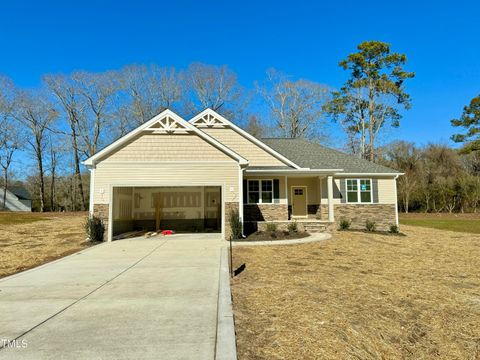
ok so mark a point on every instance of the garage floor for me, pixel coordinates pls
(131, 299)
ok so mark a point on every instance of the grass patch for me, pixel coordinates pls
(361, 296)
(16, 218)
(469, 223)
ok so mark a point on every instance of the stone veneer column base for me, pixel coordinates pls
(382, 214)
(102, 211)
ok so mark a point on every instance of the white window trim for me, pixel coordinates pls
(259, 192)
(359, 191)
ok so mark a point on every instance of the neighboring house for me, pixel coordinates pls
(189, 176)
(18, 199)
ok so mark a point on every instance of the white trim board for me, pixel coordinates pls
(393, 175)
(243, 133)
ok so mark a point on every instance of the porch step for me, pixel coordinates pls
(315, 227)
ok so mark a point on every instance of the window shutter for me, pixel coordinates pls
(375, 191)
(245, 195)
(276, 191)
(343, 191)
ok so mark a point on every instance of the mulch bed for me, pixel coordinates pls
(275, 235)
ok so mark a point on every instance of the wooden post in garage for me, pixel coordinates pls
(157, 211)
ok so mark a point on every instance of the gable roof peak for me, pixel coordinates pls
(209, 118)
(167, 122)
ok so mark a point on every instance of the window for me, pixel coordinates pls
(253, 191)
(267, 191)
(359, 190)
(260, 191)
(365, 191)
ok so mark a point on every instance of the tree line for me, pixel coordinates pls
(47, 131)
(436, 177)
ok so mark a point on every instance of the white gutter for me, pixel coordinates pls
(370, 174)
(293, 171)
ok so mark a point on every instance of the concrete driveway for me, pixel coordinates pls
(131, 299)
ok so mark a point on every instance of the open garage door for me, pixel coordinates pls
(183, 209)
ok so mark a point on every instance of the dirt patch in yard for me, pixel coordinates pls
(361, 296)
(31, 239)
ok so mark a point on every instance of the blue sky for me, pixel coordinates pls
(306, 39)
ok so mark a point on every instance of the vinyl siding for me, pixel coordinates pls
(108, 174)
(244, 147)
(386, 191)
(162, 147)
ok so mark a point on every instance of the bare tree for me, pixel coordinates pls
(67, 94)
(404, 156)
(254, 127)
(296, 106)
(97, 92)
(10, 136)
(53, 157)
(36, 113)
(150, 90)
(214, 87)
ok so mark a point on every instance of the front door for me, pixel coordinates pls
(299, 200)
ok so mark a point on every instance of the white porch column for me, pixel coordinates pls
(331, 217)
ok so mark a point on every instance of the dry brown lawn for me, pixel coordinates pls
(30, 239)
(361, 296)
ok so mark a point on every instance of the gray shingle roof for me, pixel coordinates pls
(20, 192)
(315, 156)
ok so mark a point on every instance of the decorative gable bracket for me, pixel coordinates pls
(209, 120)
(167, 125)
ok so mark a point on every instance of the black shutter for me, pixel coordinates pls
(343, 191)
(375, 191)
(276, 191)
(245, 195)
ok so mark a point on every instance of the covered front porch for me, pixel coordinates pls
(285, 195)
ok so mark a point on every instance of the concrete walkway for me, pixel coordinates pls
(315, 237)
(131, 299)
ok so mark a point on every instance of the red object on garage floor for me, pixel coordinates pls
(167, 232)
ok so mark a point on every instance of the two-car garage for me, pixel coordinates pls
(191, 209)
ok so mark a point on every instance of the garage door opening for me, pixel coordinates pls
(183, 209)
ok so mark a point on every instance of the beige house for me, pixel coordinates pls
(188, 176)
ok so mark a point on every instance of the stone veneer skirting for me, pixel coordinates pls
(265, 212)
(382, 214)
(101, 211)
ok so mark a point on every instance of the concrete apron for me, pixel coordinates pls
(140, 298)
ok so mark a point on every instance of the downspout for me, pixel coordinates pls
(92, 188)
(396, 201)
(240, 195)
